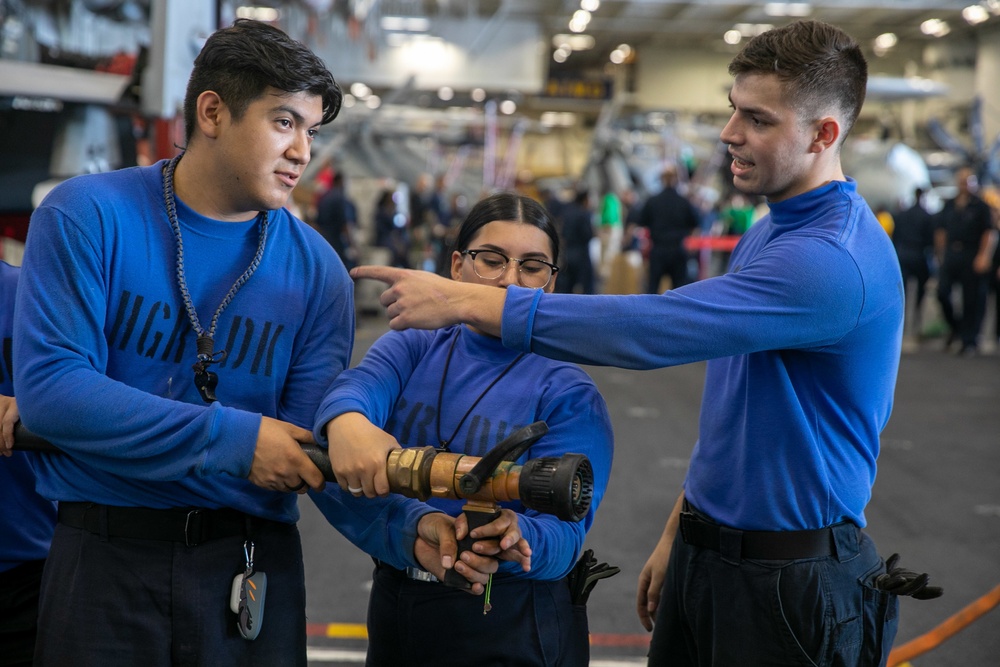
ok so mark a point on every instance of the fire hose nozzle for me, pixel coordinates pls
(562, 486)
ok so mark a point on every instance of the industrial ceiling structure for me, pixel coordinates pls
(602, 26)
(514, 49)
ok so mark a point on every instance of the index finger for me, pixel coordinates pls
(502, 525)
(302, 436)
(387, 274)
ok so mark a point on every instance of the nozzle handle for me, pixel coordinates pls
(321, 459)
(28, 441)
(477, 517)
(509, 449)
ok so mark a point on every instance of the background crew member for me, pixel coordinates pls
(337, 219)
(576, 231)
(802, 341)
(913, 239)
(147, 293)
(964, 241)
(670, 218)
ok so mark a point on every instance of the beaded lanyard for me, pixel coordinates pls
(205, 380)
(443, 444)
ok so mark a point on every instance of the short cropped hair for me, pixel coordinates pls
(242, 61)
(820, 66)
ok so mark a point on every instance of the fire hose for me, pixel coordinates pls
(561, 486)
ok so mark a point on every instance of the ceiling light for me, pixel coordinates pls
(360, 90)
(560, 55)
(617, 57)
(405, 23)
(935, 28)
(573, 42)
(974, 14)
(732, 37)
(752, 29)
(558, 119)
(478, 94)
(590, 5)
(265, 14)
(445, 93)
(992, 5)
(373, 102)
(582, 16)
(575, 26)
(886, 40)
(508, 107)
(787, 9)
(625, 49)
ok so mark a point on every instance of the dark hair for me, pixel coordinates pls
(240, 62)
(507, 206)
(819, 64)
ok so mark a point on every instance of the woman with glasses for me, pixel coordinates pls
(462, 391)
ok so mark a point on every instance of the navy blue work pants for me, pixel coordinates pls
(670, 261)
(819, 612)
(965, 324)
(19, 613)
(121, 601)
(427, 624)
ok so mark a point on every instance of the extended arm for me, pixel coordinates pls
(423, 300)
(772, 302)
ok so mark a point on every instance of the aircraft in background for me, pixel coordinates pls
(985, 160)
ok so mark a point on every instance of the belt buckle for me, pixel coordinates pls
(417, 574)
(192, 528)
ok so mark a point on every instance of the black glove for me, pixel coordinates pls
(898, 581)
(585, 575)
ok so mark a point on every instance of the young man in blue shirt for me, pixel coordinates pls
(176, 327)
(767, 560)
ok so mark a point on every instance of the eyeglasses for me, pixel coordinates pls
(490, 265)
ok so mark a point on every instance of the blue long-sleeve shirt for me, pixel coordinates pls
(26, 519)
(103, 347)
(802, 338)
(397, 385)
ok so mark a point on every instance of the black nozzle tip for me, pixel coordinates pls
(561, 486)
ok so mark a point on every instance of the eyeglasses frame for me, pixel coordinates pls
(507, 260)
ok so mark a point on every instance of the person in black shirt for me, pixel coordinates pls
(913, 239)
(576, 230)
(964, 242)
(670, 219)
(336, 217)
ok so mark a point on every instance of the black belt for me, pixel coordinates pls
(190, 526)
(411, 573)
(763, 545)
